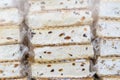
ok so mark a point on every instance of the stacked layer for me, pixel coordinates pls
(11, 49)
(60, 33)
(108, 30)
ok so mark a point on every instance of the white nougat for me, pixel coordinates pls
(7, 3)
(67, 52)
(109, 47)
(10, 16)
(10, 53)
(66, 35)
(109, 8)
(58, 18)
(40, 5)
(65, 70)
(10, 70)
(108, 66)
(108, 28)
(10, 35)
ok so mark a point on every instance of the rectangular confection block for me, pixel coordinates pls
(77, 69)
(107, 66)
(10, 35)
(108, 28)
(109, 47)
(11, 52)
(109, 8)
(8, 3)
(40, 5)
(58, 18)
(10, 16)
(10, 70)
(67, 52)
(66, 35)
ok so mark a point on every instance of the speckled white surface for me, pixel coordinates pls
(110, 47)
(7, 3)
(10, 16)
(79, 34)
(10, 70)
(39, 5)
(10, 52)
(10, 35)
(72, 69)
(63, 52)
(108, 28)
(58, 18)
(108, 66)
(109, 8)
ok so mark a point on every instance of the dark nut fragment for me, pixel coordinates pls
(61, 74)
(62, 34)
(73, 64)
(49, 32)
(84, 35)
(40, 56)
(86, 48)
(83, 69)
(48, 65)
(82, 64)
(70, 55)
(15, 65)
(67, 37)
(60, 70)
(52, 70)
(48, 52)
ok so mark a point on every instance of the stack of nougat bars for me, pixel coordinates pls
(11, 50)
(59, 39)
(60, 35)
(108, 33)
